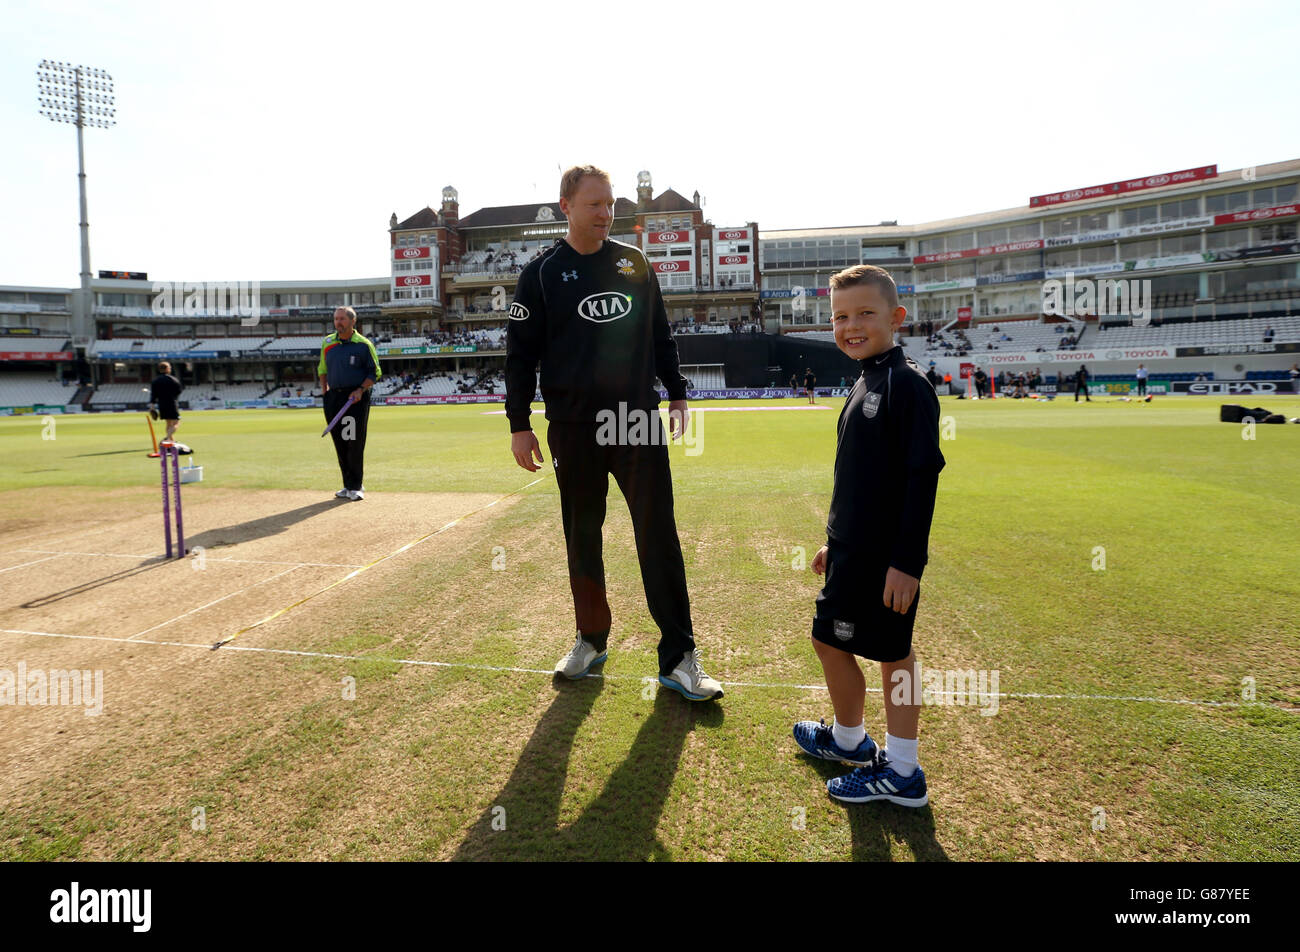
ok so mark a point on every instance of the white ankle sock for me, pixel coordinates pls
(848, 738)
(902, 754)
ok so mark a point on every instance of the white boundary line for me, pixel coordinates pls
(209, 558)
(213, 602)
(616, 677)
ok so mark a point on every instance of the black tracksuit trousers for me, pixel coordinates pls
(582, 469)
(351, 452)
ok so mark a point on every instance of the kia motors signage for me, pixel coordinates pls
(401, 254)
(35, 355)
(605, 306)
(669, 237)
(1258, 214)
(963, 314)
(1128, 185)
(673, 266)
(413, 280)
(1005, 248)
(733, 259)
(732, 234)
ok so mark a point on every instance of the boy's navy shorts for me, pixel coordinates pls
(851, 613)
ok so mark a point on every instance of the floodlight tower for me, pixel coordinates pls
(82, 96)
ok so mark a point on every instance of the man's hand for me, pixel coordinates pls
(525, 446)
(357, 394)
(900, 590)
(819, 561)
(678, 416)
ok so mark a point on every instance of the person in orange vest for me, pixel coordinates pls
(947, 382)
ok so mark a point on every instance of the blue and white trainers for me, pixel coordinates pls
(689, 680)
(582, 657)
(818, 740)
(879, 781)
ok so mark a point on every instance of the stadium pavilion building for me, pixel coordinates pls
(1059, 282)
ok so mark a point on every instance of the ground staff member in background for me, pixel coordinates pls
(162, 394)
(348, 367)
(590, 310)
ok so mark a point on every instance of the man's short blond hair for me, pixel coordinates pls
(571, 179)
(868, 274)
(348, 311)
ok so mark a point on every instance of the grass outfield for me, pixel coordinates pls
(1199, 596)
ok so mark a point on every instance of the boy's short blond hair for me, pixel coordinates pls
(868, 274)
(573, 177)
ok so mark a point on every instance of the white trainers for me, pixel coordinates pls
(356, 494)
(341, 494)
(689, 680)
(580, 659)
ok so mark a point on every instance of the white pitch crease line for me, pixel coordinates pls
(211, 603)
(613, 677)
(25, 564)
(209, 558)
(81, 534)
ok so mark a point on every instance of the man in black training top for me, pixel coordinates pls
(162, 394)
(589, 309)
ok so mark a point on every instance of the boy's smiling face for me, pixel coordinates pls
(863, 322)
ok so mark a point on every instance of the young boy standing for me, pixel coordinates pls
(887, 464)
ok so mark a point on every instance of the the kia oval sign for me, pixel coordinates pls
(605, 306)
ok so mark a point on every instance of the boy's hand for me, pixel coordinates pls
(900, 590)
(819, 561)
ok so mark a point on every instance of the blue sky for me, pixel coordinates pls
(272, 140)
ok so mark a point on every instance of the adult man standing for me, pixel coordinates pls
(163, 392)
(348, 368)
(1081, 384)
(590, 310)
(1141, 375)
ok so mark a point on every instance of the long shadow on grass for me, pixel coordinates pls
(620, 823)
(261, 528)
(874, 825)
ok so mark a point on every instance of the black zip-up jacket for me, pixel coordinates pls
(887, 463)
(598, 326)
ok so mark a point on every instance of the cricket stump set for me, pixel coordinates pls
(169, 452)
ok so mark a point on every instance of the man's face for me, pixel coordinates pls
(344, 324)
(862, 321)
(591, 210)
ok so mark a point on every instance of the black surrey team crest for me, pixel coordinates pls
(605, 306)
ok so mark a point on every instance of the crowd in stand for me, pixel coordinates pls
(960, 344)
(738, 326)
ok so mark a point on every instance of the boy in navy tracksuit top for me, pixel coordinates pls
(887, 464)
